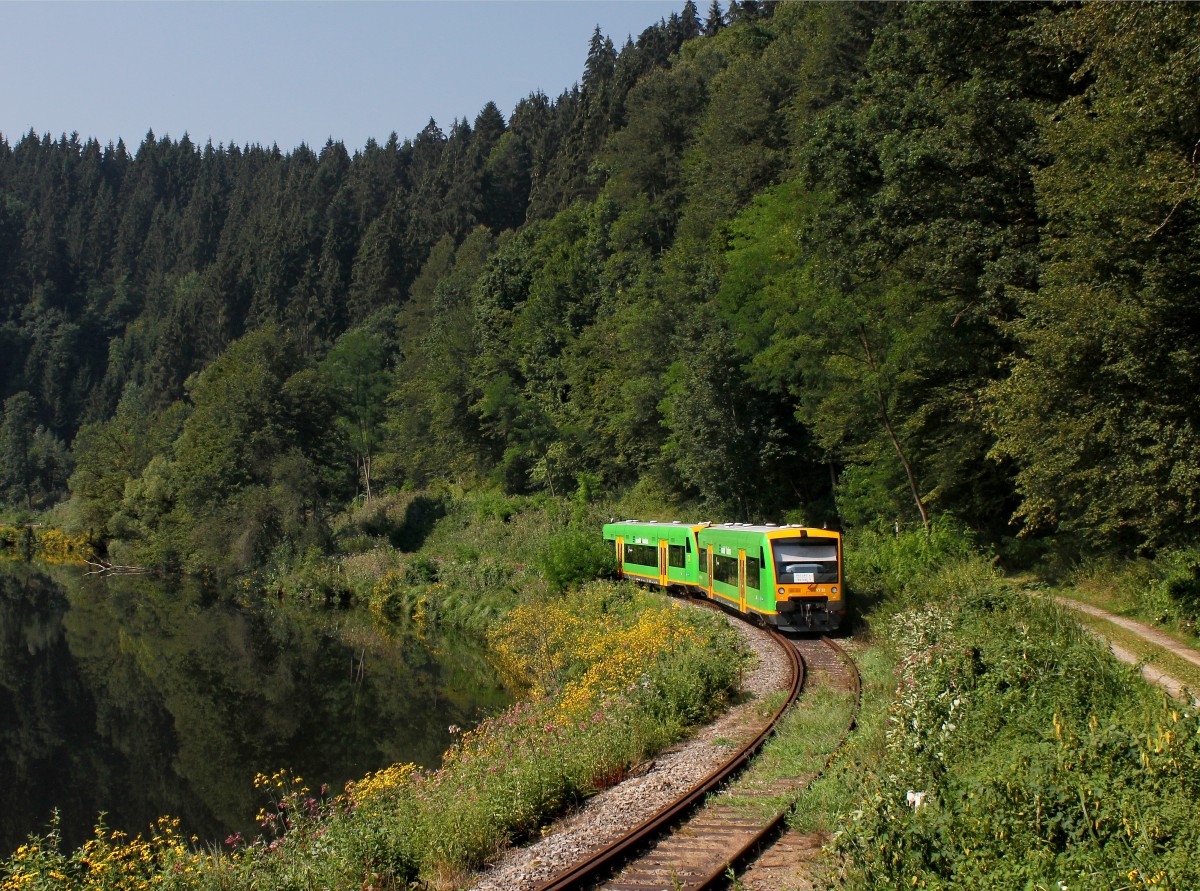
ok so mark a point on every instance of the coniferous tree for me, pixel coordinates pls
(16, 438)
(377, 278)
(715, 20)
(601, 60)
(586, 114)
(689, 22)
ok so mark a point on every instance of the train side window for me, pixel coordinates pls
(641, 555)
(676, 556)
(753, 569)
(725, 569)
(703, 560)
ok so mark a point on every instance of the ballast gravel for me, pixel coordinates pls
(605, 817)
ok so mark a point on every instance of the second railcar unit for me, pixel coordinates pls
(790, 575)
(663, 554)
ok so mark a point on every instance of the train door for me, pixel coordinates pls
(620, 557)
(742, 580)
(662, 563)
(710, 573)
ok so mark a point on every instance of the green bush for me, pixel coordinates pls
(574, 556)
(1182, 584)
(420, 570)
(685, 686)
(887, 571)
(493, 505)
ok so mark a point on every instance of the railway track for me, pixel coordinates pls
(692, 843)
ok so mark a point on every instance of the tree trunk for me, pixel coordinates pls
(366, 471)
(891, 432)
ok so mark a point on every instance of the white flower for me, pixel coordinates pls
(916, 798)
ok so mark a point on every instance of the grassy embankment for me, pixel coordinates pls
(613, 675)
(999, 745)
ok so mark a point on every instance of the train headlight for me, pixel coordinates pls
(833, 590)
(782, 591)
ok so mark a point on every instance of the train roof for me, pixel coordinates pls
(767, 528)
(709, 526)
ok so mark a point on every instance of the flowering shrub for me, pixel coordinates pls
(50, 545)
(110, 861)
(920, 726)
(601, 642)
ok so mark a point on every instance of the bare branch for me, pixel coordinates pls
(1191, 187)
(103, 567)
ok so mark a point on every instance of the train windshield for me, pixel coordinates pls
(801, 561)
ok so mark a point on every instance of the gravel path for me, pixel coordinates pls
(605, 817)
(1156, 676)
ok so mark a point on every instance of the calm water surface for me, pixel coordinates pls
(141, 697)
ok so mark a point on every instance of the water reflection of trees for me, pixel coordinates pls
(141, 697)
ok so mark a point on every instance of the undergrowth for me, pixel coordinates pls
(1015, 753)
(1164, 591)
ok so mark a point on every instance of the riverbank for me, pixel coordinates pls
(616, 674)
(129, 695)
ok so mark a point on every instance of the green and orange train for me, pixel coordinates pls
(789, 576)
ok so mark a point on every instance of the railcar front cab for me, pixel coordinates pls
(790, 575)
(662, 554)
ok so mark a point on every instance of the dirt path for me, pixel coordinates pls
(1151, 635)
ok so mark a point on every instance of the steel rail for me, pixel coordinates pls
(601, 862)
(718, 876)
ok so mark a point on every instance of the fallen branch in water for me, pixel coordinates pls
(103, 567)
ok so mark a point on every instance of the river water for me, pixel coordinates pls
(140, 697)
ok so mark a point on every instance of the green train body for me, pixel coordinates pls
(790, 576)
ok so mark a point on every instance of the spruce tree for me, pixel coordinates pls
(689, 22)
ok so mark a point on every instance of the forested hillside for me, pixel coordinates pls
(841, 263)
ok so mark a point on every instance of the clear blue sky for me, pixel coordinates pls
(290, 72)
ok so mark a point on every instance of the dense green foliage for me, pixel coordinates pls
(1014, 753)
(822, 262)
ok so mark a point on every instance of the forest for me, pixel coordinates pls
(832, 263)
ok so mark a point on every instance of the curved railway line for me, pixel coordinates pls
(693, 842)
